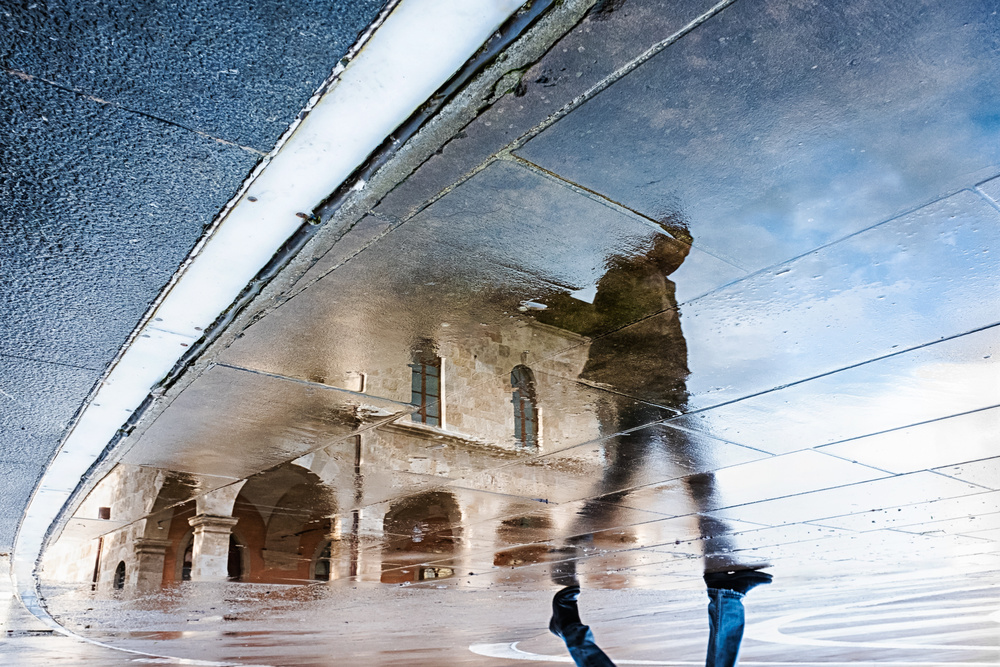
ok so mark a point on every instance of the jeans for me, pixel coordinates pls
(725, 627)
(725, 622)
(586, 653)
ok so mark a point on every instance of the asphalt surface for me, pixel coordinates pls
(126, 128)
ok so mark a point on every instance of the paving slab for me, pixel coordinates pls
(605, 41)
(939, 380)
(793, 125)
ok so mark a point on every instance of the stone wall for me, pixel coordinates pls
(151, 509)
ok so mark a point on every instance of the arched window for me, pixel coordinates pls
(427, 384)
(119, 580)
(525, 406)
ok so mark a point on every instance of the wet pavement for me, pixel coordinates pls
(732, 307)
(919, 617)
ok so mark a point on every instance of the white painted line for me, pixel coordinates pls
(771, 631)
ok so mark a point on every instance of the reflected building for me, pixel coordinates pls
(352, 507)
(379, 496)
(418, 529)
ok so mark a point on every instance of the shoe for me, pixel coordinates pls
(740, 581)
(564, 611)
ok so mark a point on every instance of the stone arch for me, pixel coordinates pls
(176, 489)
(152, 554)
(419, 528)
(284, 515)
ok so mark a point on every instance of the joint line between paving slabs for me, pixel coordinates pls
(911, 425)
(684, 429)
(370, 427)
(308, 383)
(45, 361)
(607, 201)
(619, 73)
(666, 422)
(24, 76)
(390, 220)
(974, 191)
(577, 101)
(582, 189)
(937, 471)
(842, 369)
(989, 200)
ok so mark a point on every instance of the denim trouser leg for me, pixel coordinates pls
(726, 621)
(580, 642)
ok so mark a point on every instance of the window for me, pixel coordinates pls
(321, 567)
(525, 406)
(234, 563)
(187, 559)
(426, 386)
(119, 580)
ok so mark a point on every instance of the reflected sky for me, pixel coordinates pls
(777, 128)
(932, 382)
(927, 273)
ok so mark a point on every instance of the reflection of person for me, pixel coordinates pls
(726, 591)
(647, 360)
(638, 353)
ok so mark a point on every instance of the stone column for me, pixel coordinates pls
(210, 552)
(149, 555)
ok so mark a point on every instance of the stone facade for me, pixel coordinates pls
(312, 518)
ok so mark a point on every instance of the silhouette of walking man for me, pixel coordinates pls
(638, 352)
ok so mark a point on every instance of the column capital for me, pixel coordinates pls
(210, 523)
(147, 545)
